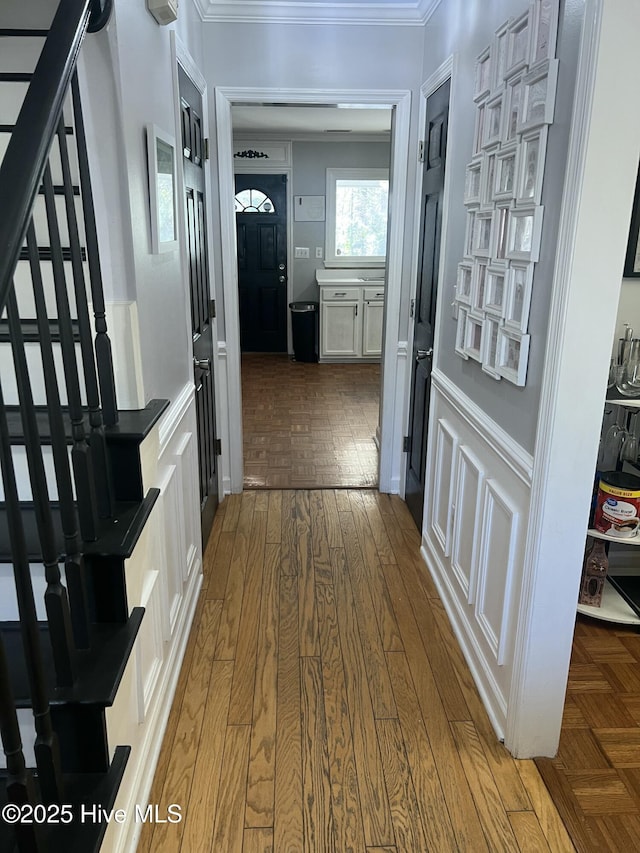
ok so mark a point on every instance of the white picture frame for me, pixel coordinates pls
(518, 43)
(464, 282)
(495, 291)
(473, 337)
(473, 183)
(533, 149)
(544, 30)
(524, 233)
(500, 236)
(461, 332)
(487, 181)
(512, 356)
(493, 119)
(539, 98)
(506, 172)
(489, 349)
(482, 246)
(468, 237)
(478, 284)
(484, 75)
(499, 55)
(161, 161)
(514, 95)
(518, 300)
(478, 136)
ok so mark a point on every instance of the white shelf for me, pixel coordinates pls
(613, 609)
(621, 540)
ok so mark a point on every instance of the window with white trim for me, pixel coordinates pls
(357, 214)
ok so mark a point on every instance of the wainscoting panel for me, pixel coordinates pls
(150, 643)
(473, 540)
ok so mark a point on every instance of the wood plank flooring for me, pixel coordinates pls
(595, 778)
(323, 703)
(309, 425)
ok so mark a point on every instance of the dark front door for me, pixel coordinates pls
(427, 290)
(261, 223)
(201, 306)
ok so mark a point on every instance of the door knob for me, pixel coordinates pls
(281, 278)
(280, 266)
(202, 364)
(424, 353)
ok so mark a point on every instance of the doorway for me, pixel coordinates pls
(392, 364)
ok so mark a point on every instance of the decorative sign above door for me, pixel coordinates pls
(515, 88)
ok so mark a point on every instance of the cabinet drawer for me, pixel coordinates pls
(339, 294)
(371, 294)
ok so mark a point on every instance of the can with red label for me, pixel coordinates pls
(618, 504)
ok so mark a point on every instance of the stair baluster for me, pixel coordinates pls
(56, 601)
(104, 490)
(102, 342)
(80, 453)
(20, 784)
(46, 743)
(74, 562)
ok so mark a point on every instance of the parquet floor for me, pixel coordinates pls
(595, 778)
(324, 704)
(309, 425)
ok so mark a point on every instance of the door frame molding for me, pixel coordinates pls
(446, 71)
(181, 56)
(390, 433)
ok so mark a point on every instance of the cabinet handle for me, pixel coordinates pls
(356, 307)
(343, 293)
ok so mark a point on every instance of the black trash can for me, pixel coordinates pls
(304, 325)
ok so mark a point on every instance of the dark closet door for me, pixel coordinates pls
(201, 304)
(427, 290)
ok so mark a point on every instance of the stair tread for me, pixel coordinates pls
(117, 535)
(100, 668)
(80, 789)
(30, 331)
(134, 425)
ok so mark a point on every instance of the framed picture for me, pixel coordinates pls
(493, 121)
(501, 220)
(463, 283)
(488, 176)
(512, 356)
(478, 284)
(506, 173)
(468, 237)
(478, 137)
(161, 155)
(539, 98)
(533, 147)
(472, 184)
(473, 338)
(632, 259)
(523, 234)
(484, 77)
(495, 290)
(518, 43)
(461, 332)
(482, 231)
(489, 347)
(513, 107)
(499, 55)
(518, 296)
(544, 30)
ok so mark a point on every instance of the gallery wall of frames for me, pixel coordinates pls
(515, 88)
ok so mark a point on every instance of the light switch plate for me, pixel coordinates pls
(318, 251)
(301, 252)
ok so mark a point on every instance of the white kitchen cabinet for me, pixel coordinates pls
(351, 317)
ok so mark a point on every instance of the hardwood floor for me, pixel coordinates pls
(309, 425)
(324, 704)
(595, 778)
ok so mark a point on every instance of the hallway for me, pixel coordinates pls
(323, 702)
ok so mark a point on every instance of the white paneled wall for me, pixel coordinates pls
(473, 535)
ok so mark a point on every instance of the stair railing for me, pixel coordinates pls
(84, 496)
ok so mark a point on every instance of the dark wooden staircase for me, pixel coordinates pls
(82, 507)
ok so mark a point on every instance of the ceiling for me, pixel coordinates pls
(402, 12)
(303, 120)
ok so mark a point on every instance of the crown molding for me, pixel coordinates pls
(369, 12)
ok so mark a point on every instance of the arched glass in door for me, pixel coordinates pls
(253, 201)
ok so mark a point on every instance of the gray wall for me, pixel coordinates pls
(468, 27)
(310, 162)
